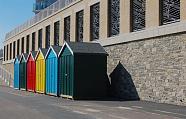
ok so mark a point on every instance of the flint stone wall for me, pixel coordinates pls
(150, 69)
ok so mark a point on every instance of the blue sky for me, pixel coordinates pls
(12, 14)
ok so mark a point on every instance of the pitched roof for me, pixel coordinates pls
(25, 56)
(56, 48)
(34, 54)
(17, 57)
(90, 48)
(44, 51)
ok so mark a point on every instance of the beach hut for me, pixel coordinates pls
(40, 71)
(83, 69)
(52, 87)
(22, 71)
(31, 71)
(16, 72)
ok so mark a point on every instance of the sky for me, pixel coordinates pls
(12, 14)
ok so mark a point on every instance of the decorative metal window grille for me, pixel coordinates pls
(79, 26)
(27, 43)
(10, 51)
(94, 21)
(56, 32)
(114, 17)
(138, 14)
(47, 34)
(33, 41)
(170, 11)
(18, 47)
(22, 45)
(67, 28)
(14, 44)
(40, 39)
(7, 52)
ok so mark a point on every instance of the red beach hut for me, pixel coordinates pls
(31, 72)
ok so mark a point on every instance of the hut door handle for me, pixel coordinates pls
(66, 75)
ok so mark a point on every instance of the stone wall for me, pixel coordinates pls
(6, 74)
(151, 69)
(9, 67)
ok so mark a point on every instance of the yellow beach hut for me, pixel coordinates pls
(40, 71)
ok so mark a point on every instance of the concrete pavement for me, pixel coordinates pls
(25, 105)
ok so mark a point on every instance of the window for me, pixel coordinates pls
(27, 43)
(67, 28)
(94, 21)
(170, 11)
(40, 38)
(14, 44)
(47, 37)
(18, 47)
(79, 26)
(7, 52)
(138, 15)
(10, 51)
(33, 40)
(56, 32)
(22, 45)
(4, 53)
(113, 17)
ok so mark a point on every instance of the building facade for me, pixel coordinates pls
(145, 39)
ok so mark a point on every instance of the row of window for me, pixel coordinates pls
(169, 11)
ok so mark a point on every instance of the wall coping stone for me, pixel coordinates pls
(8, 61)
(163, 30)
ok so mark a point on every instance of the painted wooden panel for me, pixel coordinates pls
(31, 74)
(66, 73)
(22, 74)
(52, 74)
(40, 74)
(16, 74)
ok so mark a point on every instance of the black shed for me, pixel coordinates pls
(83, 71)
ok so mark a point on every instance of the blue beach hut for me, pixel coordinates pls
(16, 72)
(52, 87)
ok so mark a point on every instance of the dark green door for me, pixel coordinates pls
(67, 75)
(23, 75)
